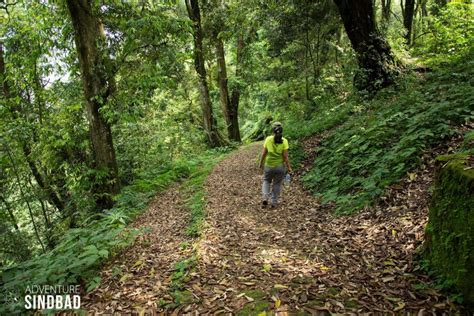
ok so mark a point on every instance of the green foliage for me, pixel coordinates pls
(449, 35)
(297, 154)
(379, 145)
(468, 142)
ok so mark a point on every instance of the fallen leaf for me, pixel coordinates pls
(399, 307)
(277, 303)
(388, 279)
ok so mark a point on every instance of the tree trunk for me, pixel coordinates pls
(377, 67)
(209, 122)
(98, 84)
(235, 98)
(51, 194)
(424, 10)
(228, 109)
(314, 64)
(408, 14)
(386, 9)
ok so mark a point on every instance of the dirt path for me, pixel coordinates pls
(297, 258)
(141, 275)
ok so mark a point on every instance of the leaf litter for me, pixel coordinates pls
(298, 257)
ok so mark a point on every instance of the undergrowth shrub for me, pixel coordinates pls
(449, 35)
(378, 146)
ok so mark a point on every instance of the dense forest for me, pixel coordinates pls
(105, 104)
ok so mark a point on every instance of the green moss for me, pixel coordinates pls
(316, 303)
(254, 308)
(450, 231)
(255, 294)
(350, 303)
(333, 291)
(257, 306)
(182, 297)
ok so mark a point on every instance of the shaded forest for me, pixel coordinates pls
(105, 104)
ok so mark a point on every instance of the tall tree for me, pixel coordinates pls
(229, 108)
(408, 11)
(98, 85)
(209, 122)
(377, 67)
(217, 16)
(236, 91)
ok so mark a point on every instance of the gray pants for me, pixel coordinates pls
(275, 175)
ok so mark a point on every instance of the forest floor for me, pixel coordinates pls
(296, 259)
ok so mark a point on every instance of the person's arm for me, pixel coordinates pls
(264, 154)
(287, 161)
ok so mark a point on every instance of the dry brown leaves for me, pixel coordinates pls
(298, 257)
(139, 277)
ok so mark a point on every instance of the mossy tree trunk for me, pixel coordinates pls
(377, 67)
(98, 84)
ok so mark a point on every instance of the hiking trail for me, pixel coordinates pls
(297, 258)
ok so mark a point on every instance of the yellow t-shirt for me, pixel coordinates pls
(275, 151)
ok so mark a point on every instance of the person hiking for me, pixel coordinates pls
(273, 162)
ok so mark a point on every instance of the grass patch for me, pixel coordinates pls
(193, 192)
